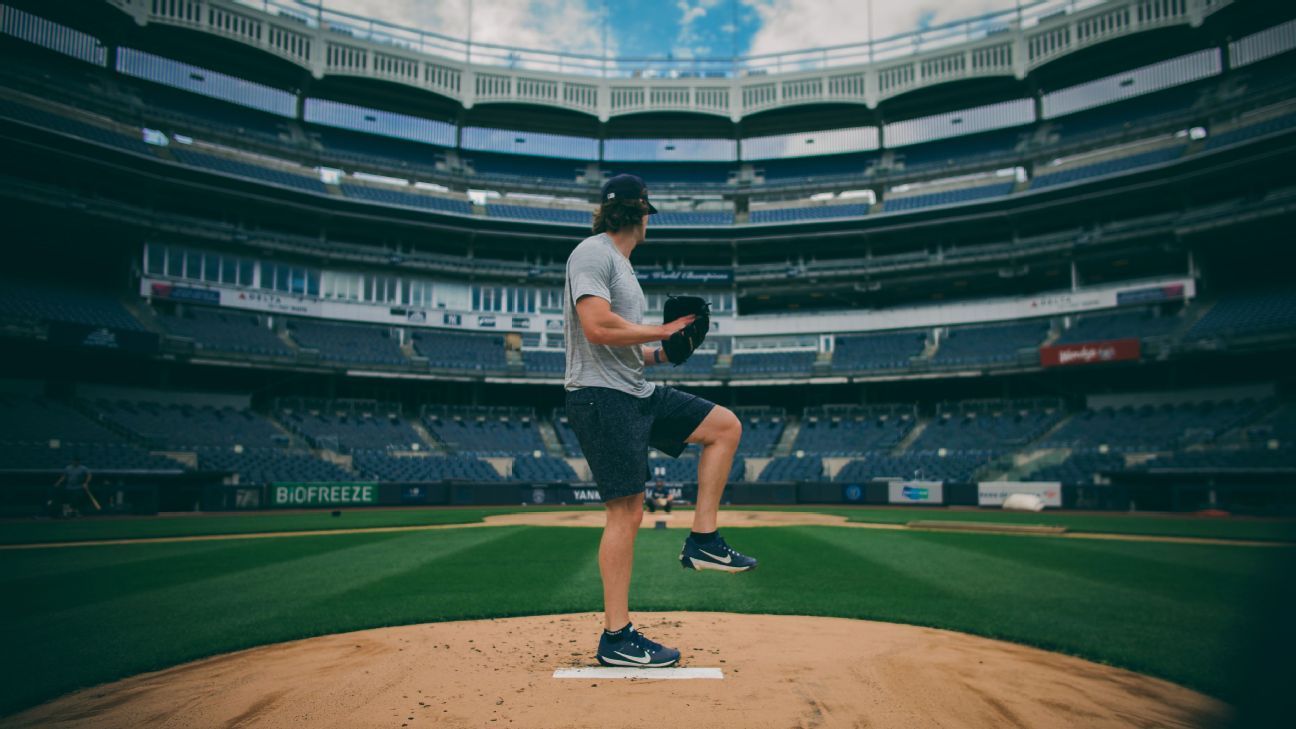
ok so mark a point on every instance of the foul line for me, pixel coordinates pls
(249, 535)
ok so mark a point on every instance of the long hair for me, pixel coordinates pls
(614, 215)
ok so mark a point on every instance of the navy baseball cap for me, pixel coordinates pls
(627, 187)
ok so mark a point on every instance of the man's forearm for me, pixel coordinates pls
(617, 332)
(654, 356)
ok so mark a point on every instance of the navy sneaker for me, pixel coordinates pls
(714, 555)
(635, 651)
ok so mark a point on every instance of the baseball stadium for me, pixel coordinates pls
(365, 371)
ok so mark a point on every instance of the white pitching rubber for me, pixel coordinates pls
(641, 673)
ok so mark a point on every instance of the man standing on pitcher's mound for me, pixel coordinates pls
(617, 414)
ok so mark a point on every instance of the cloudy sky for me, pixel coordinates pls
(681, 28)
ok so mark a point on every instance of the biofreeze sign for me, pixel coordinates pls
(993, 493)
(333, 494)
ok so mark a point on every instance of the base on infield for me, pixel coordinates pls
(779, 671)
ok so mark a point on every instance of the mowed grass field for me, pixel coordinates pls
(79, 616)
(191, 525)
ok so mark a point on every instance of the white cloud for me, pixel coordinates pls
(558, 25)
(689, 13)
(688, 41)
(786, 25)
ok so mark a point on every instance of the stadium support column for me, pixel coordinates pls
(1075, 277)
(1196, 12)
(1020, 51)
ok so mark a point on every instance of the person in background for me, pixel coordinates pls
(71, 490)
(658, 497)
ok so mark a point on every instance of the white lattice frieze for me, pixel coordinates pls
(1006, 42)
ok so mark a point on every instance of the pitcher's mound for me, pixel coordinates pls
(679, 519)
(779, 671)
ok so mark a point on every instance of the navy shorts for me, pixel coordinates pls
(616, 428)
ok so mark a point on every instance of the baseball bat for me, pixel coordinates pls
(93, 500)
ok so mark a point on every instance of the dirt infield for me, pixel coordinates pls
(728, 518)
(779, 671)
(682, 519)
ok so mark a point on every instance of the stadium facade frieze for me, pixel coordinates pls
(1003, 44)
(1081, 300)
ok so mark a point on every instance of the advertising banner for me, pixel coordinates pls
(552, 494)
(315, 494)
(993, 493)
(1168, 292)
(270, 301)
(916, 492)
(184, 293)
(724, 276)
(83, 335)
(588, 495)
(1115, 350)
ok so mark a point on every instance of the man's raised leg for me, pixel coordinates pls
(718, 434)
(704, 549)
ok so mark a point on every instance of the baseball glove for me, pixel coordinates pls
(680, 346)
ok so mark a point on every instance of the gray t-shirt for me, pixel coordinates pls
(597, 268)
(74, 477)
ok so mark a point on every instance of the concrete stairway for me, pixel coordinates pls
(1026, 463)
(1194, 314)
(910, 437)
(513, 360)
(929, 350)
(433, 446)
(553, 446)
(145, 314)
(1046, 435)
(791, 427)
(282, 333)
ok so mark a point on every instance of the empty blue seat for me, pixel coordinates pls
(1106, 167)
(407, 199)
(988, 345)
(883, 351)
(1248, 313)
(791, 468)
(349, 343)
(818, 212)
(950, 197)
(772, 363)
